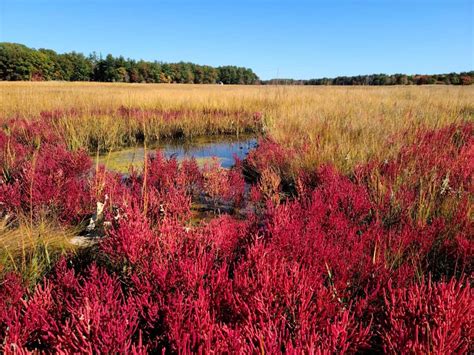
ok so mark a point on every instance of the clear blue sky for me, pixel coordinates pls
(284, 38)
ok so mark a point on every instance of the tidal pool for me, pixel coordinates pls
(202, 149)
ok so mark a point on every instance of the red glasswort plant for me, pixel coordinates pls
(429, 318)
(322, 263)
(40, 176)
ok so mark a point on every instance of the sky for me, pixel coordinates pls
(277, 39)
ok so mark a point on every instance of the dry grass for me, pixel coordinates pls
(342, 125)
(31, 250)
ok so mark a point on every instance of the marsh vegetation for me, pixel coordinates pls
(345, 225)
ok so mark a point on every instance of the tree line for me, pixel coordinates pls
(18, 62)
(463, 78)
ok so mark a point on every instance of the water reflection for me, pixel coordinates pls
(203, 149)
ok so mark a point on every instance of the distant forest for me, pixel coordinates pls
(464, 78)
(18, 62)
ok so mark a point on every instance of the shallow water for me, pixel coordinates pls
(203, 150)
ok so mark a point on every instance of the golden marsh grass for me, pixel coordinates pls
(32, 249)
(341, 125)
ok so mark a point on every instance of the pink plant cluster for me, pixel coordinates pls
(378, 261)
(40, 176)
(243, 119)
(240, 116)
